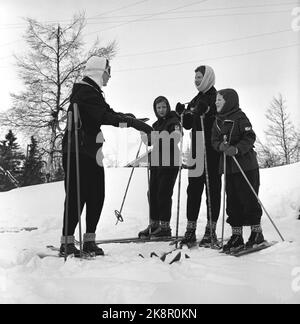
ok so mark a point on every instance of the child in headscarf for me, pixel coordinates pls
(162, 175)
(233, 134)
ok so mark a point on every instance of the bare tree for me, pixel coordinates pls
(266, 157)
(282, 138)
(55, 61)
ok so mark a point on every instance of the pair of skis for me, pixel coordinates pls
(178, 256)
(245, 251)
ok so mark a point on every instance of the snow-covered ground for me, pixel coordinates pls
(270, 276)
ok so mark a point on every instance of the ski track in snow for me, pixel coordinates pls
(124, 277)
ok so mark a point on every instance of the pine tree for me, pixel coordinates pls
(32, 174)
(11, 161)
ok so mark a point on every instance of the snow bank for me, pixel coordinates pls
(122, 276)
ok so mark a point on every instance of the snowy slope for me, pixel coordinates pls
(122, 277)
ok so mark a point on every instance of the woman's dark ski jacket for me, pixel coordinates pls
(203, 104)
(93, 113)
(170, 123)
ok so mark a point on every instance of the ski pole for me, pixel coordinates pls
(179, 182)
(77, 174)
(225, 138)
(224, 192)
(207, 183)
(149, 189)
(119, 213)
(256, 195)
(69, 126)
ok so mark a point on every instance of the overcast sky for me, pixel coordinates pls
(250, 44)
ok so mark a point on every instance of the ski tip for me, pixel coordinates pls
(163, 257)
(176, 258)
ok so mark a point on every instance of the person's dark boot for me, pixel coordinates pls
(89, 245)
(145, 234)
(190, 235)
(71, 248)
(236, 241)
(256, 237)
(210, 236)
(164, 230)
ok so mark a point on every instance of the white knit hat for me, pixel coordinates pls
(95, 68)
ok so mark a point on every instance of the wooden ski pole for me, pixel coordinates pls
(75, 106)
(149, 188)
(224, 193)
(69, 127)
(119, 213)
(179, 181)
(207, 183)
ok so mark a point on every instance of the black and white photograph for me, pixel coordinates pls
(149, 154)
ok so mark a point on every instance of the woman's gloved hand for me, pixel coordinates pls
(139, 125)
(129, 115)
(180, 108)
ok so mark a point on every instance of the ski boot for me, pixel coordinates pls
(209, 239)
(189, 238)
(89, 245)
(161, 232)
(145, 234)
(71, 250)
(235, 244)
(91, 248)
(256, 238)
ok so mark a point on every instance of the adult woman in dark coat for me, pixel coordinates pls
(93, 112)
(202, 105)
